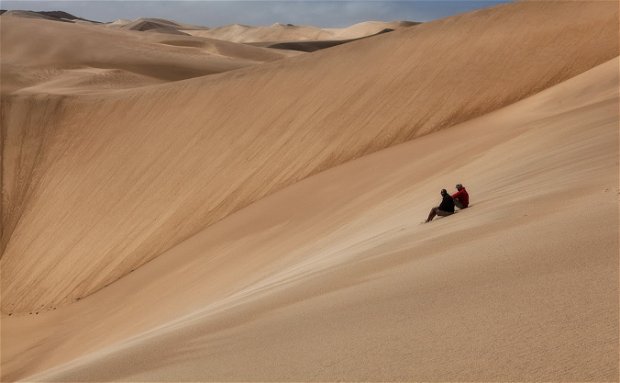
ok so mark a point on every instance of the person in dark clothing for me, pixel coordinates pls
(445, 208)
(461, 198)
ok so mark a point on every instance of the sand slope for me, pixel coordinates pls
(335, 279)
(106, 183)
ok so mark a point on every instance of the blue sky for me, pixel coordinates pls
(257, 12)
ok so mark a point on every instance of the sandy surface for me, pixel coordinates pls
(288, 32)
(279, 208)
(335, 277)
(44, 56)
(127, 175)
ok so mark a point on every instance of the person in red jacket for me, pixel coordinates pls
(461, 198)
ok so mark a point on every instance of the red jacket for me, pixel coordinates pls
(462, 196)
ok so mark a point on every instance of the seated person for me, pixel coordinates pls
(445, 208)
(461, 198)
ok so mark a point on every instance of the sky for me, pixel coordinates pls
(211, 13)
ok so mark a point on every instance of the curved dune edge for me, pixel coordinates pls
(115, 180)
(313, 282)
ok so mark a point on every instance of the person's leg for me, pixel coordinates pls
(442, 213)
(432, 214)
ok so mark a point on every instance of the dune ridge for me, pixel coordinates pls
(126, 176)
(315, 281)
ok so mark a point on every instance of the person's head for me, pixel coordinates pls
(444, 192)
(459, 186)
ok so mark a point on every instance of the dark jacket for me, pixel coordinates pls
(447, 204)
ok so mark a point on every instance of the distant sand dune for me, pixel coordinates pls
(296, 33)
(35, 51)
(48, 15)
(311, 46)
(96, 186)
(368, 28)
(152, 26)
(278, 32)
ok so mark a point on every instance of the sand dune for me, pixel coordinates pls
(278, 32)
(154, 26)
(26, 14)
(288, 33)
(118, 22)
(48, 15)
(126, 176)
(38, 54)
(334, 278)
(312, 46)
(367, 28)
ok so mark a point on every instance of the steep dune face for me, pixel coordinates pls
(334, 276)
(124, 177)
